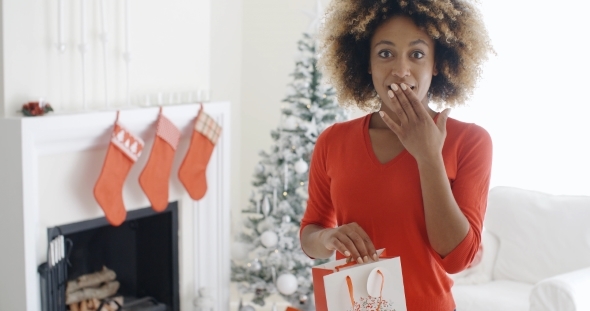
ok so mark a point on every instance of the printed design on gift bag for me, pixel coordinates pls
(372, 302)
(129, 144)
(208, 127)
(168, 131)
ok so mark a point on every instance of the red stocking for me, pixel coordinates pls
(193, 168)
(124, 150)
(156, 174)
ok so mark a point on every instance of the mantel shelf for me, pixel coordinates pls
(57, 133)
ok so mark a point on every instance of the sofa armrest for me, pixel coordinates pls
(563, 292)
(482, 272)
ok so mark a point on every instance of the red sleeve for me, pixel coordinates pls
(470, 189)
(319, 210)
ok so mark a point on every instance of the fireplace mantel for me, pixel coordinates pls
(204, 232)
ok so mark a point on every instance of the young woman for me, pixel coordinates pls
(404, 178)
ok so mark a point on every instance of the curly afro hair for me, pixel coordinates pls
(462, 45)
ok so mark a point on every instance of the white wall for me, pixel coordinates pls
(169, 45)
(533, 95)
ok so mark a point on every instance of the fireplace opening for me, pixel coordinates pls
(143, 253)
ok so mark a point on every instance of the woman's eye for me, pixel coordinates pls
(417, 54)
(384, 54)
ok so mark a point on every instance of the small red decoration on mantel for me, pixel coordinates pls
(32, 109)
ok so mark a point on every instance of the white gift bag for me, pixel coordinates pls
(374, 286)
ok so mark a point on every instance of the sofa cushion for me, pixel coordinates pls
(492, 296)
(541, 235)
(481, 272)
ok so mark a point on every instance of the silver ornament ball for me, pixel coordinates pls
(286, 219)
(247, 308)
(255, 265)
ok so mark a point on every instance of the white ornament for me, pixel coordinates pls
(287, 284)
(269, 239)
(301, 166)
(265, 206)
(259, 169)
(286, 219)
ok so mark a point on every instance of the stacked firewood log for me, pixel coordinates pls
(86, 292)
(94, 305)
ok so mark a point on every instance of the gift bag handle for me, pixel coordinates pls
(352, 263)
(351, 290)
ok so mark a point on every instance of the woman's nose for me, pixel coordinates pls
(400, 68)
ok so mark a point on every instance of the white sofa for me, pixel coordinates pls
(536, 255)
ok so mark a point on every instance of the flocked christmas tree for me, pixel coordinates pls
(276, 263)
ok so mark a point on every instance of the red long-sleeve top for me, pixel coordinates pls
(347, 183)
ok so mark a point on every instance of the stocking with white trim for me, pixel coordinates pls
(124, 150)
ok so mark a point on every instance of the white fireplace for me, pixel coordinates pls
(48, 167)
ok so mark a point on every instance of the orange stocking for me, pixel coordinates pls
(124, 150)
(154, 177)
(193, 168)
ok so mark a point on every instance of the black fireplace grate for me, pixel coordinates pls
(54, 273)
(143, 252)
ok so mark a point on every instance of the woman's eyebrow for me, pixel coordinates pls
(384, 42)
(415, 42)
(418, 41)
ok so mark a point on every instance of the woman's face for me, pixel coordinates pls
(402, 53)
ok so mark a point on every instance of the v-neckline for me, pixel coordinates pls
(371, 151)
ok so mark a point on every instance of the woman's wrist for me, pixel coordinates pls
(314, 237)
(430, 162)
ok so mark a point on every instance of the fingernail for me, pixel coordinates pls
(366, 259)
(347, 253)
(390, 93)
(359, 260)
(394, 87)
(381, 113)
(404, 87)
(375, 257)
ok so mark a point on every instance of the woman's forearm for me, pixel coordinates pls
(446, 224)
(311, 242)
